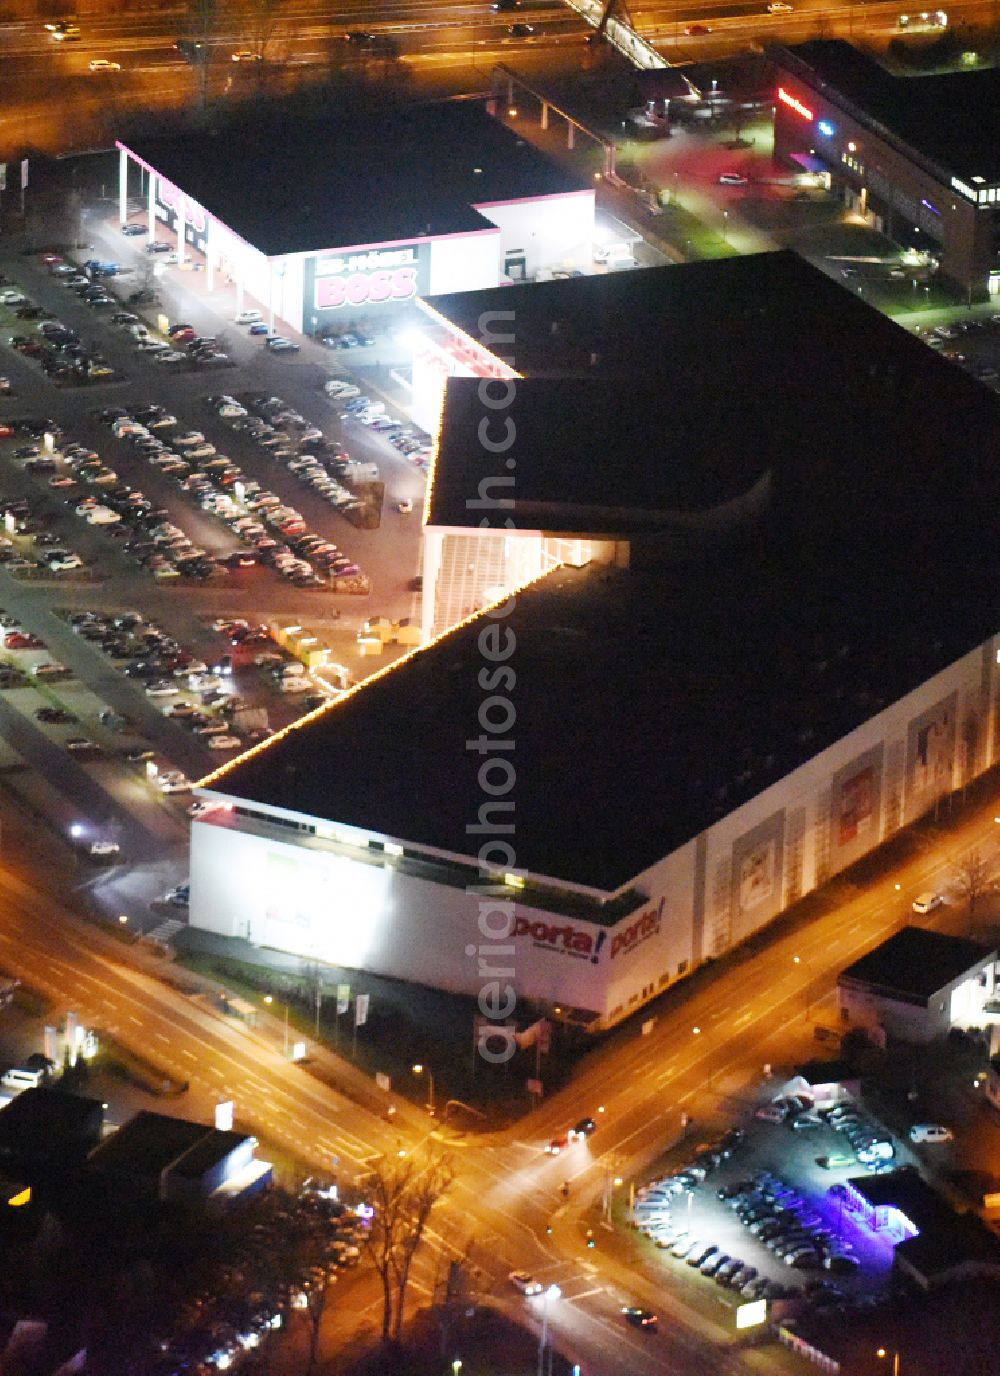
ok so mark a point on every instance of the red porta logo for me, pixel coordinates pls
(366, 287)
(645, 926)
(565, 938)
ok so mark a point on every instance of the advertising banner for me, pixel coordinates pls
(361, 1010)
(170, 201)
(343, 998)
(340, 286)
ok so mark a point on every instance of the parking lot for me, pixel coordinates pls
(762, 1212)
(160, 521)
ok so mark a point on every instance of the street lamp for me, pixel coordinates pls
(419, 1069)
(895, 1359)
(269, 999)
(797, 960)
(552, 1293)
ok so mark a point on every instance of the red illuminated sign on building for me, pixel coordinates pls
(793, 103)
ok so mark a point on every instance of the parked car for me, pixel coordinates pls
(930, 1133)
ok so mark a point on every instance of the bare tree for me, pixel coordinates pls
(260, 19)
(402, 1191)
(975, 877)
(322, 1279)
(197, 46)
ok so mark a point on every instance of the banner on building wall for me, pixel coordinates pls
(757, 876)
(170, 202)
(337, 286)
(857, 806)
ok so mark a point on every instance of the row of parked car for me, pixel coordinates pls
(790, 1227)
(149, 657)
(287, 437)
(54, 346)
(414, 443)
(871, 1146)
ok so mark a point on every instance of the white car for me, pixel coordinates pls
(295, 685)
(168, 356)
(224, 743)
(101, 516)
(101, 849)
(930, 1132)
(229, 410)
(72, 561)
(340, 387)
(779, 7)
(173, 781)
(190, 437)
(101, 64)
(525, 1283)
(927, 902)
(161, 688)
(248, 317)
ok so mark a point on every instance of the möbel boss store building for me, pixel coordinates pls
(321, 223)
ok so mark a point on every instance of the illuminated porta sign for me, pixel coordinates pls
(372, 278)
(794, 103)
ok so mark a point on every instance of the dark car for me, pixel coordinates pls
(55, 716)
(640, 1318)
(583, 1128)
(521, 30)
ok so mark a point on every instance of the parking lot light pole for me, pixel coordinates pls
(883, 1353)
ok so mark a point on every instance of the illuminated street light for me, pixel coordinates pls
(76, 830)
(123, 918)
(269, 999)
(696, 1031)
(797, 960)
(419, 1069)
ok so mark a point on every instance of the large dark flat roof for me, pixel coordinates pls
(915, 962)
(675, 389)
(950, 118)
(290, 186)
(150, 1142)
(48, 1120)
(614, 462)
(652, 702)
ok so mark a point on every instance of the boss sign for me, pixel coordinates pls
(366, 278)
